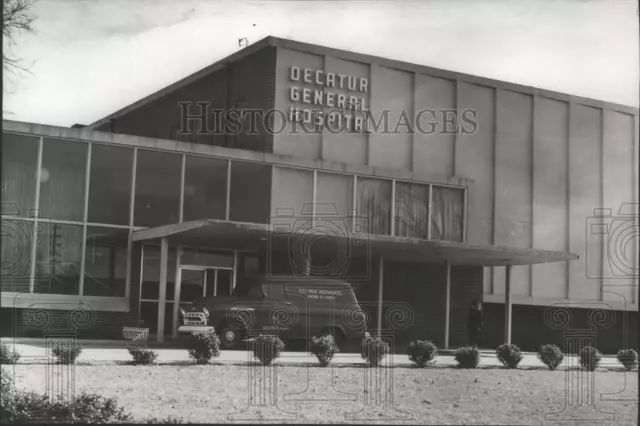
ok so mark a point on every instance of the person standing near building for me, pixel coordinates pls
(475, 324)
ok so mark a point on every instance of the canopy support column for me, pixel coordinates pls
(380, 293)
(447, 305)
(507, 305)
(162, 299)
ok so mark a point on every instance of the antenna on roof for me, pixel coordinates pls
(243, 42)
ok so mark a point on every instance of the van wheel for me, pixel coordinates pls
(338, 337)
(230, 337)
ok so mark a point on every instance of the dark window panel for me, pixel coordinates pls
(157, 200)
(110, 184)
(373, 206)
(19, 164)
(62, 177)
(205, 188)
(250, 198)
(105, 271)
(58, 259)
(16, 246)
(412, 210)
(447, 216)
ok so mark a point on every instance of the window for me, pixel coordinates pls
(373, 206)
(250, 198)
(105, 267)
(19, 164)
(293, 195)
(334, 199)
(58, 259)
(205, 188)
(412, 210)
(16, 246)
(191, 284)
(62, 179)
(157, 199)
(447, 216)
(110, 184)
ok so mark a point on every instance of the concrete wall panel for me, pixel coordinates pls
(585, 190)
(291, 139)
(392, 92)
(619, 251)
(550, 149)
(513, 186)
(348, 147)
(434, 145)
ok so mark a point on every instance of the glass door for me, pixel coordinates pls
(196, 282)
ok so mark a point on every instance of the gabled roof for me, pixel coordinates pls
(359, 57)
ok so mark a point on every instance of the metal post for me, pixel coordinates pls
(447, 305)
(36, 216)
(380, 293)
(85, 218)
(393, 208)
(235, 270)
(227, 205)
(430, 212)
(183, 167)
(507, 305)
(162, 298)
(176, 294)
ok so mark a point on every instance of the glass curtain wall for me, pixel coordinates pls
(88, 210)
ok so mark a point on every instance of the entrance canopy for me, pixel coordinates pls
(249, 236)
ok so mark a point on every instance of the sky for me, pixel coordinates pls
(89, 58)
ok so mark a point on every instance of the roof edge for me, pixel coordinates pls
(249, 50)
(365, 58)
(450, 74)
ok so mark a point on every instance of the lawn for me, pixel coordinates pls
(214, 392)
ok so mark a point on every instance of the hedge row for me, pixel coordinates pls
(202, 347)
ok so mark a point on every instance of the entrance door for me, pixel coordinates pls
(195, 282)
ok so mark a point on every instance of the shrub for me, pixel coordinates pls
(203, 346)
(66, 355)
(168, 420)
(551, 356)
(374, 350)
(8, 356)
(590, 358)
(324, 348)
(6, 388)
(628, 358)
(421, 352)
(467, 357)
(86, 408)
(142, 356)
(509, 355)
(267, 348)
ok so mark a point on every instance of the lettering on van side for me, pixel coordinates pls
(320, 294)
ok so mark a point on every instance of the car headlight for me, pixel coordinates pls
(182, 312)
(206, 312)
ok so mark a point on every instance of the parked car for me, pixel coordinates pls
(293, 309)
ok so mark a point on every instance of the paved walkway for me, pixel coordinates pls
(34, 351)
